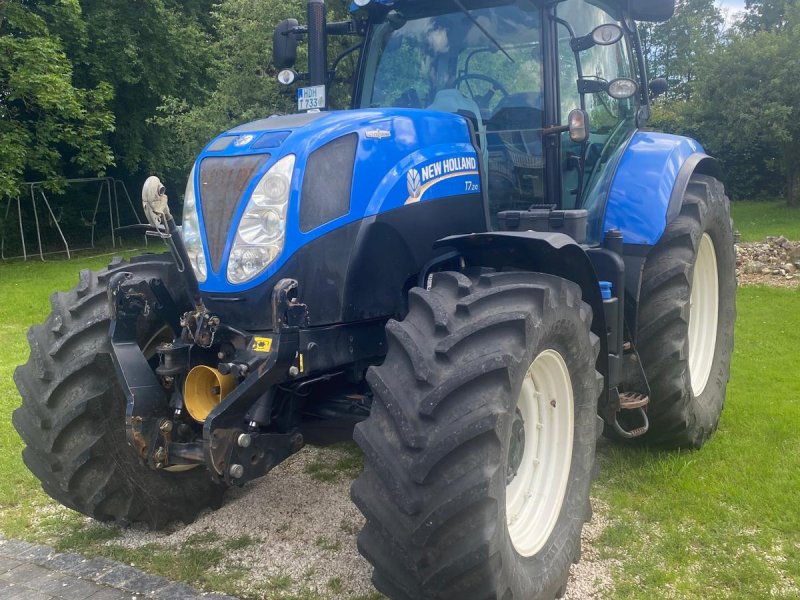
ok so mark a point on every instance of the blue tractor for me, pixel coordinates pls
(482, 265)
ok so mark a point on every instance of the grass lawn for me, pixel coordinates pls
(756, 220)
(719, 523)
(722, 522)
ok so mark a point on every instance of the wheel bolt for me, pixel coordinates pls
(236, 471)
(244, 440)
(166, 426)
(294, 371)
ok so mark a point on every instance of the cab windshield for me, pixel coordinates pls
(484, 63)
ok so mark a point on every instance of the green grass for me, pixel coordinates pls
(344, 461)
(722, 522)
(25, 289)
(756, 220)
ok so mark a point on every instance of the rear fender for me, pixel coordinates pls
(649, 184)
(646, 194)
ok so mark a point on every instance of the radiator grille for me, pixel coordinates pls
(223, 181)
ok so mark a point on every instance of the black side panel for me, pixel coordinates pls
(222, 183)
(360, 271)
(327, 182)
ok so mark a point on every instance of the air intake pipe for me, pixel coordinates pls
(317, 43)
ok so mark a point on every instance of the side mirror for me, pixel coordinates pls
(655, 11)
(284, 44)
(658, 87)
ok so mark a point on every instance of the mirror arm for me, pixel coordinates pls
(340, 58)
(592, 86)
(344, 28)
(555, 129)
(579, 44)
(576, 53)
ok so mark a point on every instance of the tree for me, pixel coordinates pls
(145, 50)
(747, 101)
(242, 81)
(674, 48)
(765, 15)
(49, 127)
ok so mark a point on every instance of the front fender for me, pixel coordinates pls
(648, 187)
(551, 253)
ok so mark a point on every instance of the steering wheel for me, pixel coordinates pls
(482, 101)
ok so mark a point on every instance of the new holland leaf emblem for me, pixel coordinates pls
(414, 183)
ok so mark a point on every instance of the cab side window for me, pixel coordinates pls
(611, 121)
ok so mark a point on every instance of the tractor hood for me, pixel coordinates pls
(340, 168)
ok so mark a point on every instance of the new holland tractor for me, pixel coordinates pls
(482, 265)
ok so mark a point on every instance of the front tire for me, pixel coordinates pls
(72, 417)
(455, 507)
(686, 318)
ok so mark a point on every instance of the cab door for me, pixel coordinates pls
(612, 122)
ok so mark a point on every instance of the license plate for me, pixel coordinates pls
(311, 98)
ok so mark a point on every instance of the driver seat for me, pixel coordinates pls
(453, 101)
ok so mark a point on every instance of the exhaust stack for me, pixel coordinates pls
(317, 43)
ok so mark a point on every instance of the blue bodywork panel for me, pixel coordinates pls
(403, 156)
(639, 197)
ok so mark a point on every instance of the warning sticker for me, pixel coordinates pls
(262, 344)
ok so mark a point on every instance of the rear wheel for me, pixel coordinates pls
(72, 417)
(686, 318)
(480, 446)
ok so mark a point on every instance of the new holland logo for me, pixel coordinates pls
(378, 134)
(422, 179)
(414, 184)
(243, 140)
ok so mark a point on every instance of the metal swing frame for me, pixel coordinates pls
(108, 187)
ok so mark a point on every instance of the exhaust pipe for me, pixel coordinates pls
(317, 43)
(204, 389)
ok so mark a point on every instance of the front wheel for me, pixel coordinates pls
(72, 417)
(480, 446)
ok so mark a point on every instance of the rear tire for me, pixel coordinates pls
(686, 318)
(438, 443)
(72, 417)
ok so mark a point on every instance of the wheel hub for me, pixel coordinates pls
(517, 447)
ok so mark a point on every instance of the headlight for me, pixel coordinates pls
(190, 232)
(262, 228)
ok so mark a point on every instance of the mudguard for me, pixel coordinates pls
(552, 253)
(649, 183)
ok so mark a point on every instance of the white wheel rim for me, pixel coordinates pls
(703, 314)
(535, 492)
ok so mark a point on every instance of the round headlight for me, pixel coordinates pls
(248, 261)
(287, 77)
(607, 34)
(622, 88)
(274, 188)
(261, 226)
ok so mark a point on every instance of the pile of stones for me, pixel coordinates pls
(775, 257)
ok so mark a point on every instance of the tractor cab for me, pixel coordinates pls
(552, 93)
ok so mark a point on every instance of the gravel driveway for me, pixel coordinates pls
(305, 529)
